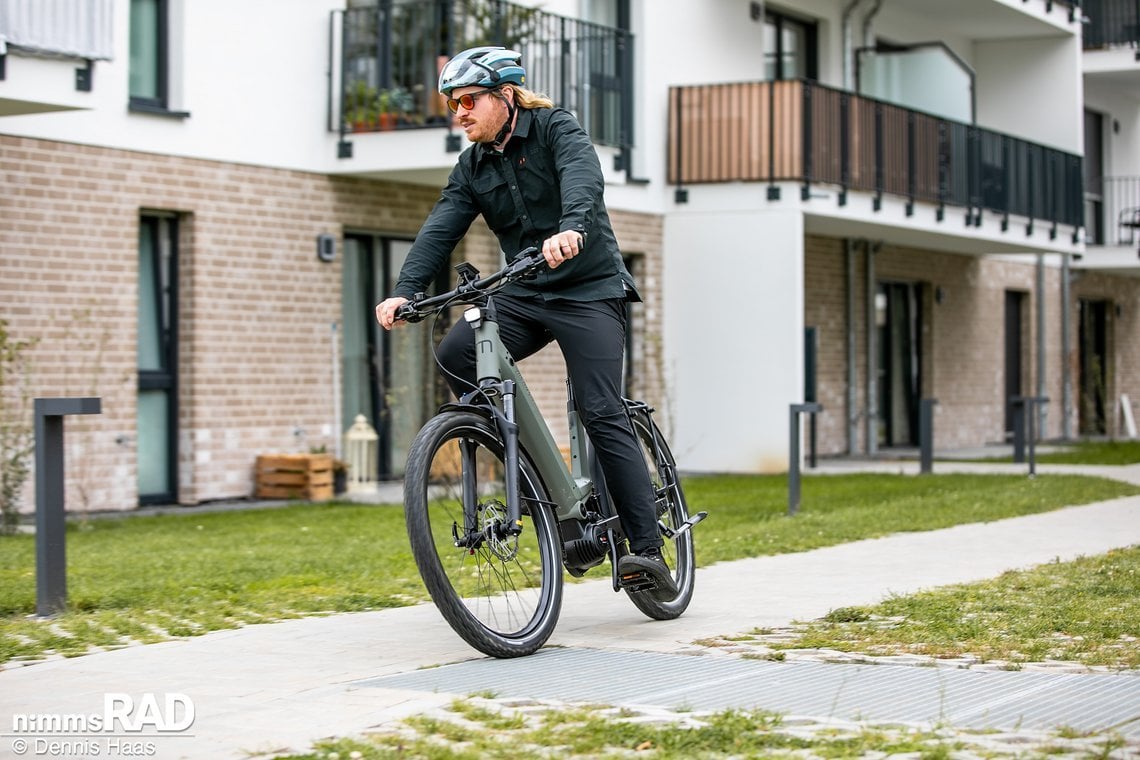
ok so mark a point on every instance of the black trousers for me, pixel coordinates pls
(591, 335)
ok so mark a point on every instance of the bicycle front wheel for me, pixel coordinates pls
(501, 593)
(672, 512)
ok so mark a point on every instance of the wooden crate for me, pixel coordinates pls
(295, 476)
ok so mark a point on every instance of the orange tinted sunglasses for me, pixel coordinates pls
(467, 100)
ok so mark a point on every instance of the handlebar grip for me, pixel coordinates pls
(407, 312)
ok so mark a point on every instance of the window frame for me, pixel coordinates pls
(810, 30)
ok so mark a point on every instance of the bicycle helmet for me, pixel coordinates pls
(486, 66)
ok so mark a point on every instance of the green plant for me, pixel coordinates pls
(400, 101)
(16, 439)
(360, 103)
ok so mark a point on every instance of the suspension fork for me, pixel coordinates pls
(509, 429)
(509, 433)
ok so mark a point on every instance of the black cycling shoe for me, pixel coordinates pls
(648, 571)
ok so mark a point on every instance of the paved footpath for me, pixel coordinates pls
(277, 687)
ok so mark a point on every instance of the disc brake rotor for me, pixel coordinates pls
(492, 516)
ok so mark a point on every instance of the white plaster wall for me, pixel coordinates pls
(734, 351)
(1032, 89)
(1122, 106)
(251, 74)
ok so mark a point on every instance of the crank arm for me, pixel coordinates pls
(670, 533)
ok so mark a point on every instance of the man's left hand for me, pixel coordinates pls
(562, 247)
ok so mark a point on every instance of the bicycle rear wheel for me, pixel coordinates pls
(672, 512)
(501, 594)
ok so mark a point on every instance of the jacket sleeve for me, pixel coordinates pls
(579, 172)
(444, 227)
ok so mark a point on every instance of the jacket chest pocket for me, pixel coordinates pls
(494, 199)
(538, 180)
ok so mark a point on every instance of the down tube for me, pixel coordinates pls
(539, 444)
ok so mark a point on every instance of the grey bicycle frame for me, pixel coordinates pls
(494, 366)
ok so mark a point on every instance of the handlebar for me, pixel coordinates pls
(472, 288)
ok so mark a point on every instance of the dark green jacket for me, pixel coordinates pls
(546, 180)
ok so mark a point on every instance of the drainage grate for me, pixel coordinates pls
(877, 693)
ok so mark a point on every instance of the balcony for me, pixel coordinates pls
(1111, 23)
(1112, 207)
(801, 131)
(390, 56)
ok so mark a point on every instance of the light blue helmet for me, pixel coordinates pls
(487, 66)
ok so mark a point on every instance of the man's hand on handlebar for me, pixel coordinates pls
(562, 247)
(386, 311)
(472, 289)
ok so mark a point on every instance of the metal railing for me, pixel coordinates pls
(392, 52)
(1111, 22)
(798, 130)
(1112, 211)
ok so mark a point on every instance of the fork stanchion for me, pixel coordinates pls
(51, 525)
(794, 453)
(926, 435)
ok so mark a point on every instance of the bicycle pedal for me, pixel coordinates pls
(638, 582)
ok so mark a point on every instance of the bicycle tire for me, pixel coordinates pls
(672, 510)
(502, 597)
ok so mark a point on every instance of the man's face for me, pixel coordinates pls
(485, 116)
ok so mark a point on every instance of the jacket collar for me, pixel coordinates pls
(522, 130)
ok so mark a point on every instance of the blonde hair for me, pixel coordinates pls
(525, 98)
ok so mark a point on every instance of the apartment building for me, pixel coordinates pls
(863, 202)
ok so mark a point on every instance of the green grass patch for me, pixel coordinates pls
(1085, 611)
(506, 732)
(748, 514)
(1085, 452)
(147, 578)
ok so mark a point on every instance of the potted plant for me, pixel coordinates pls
(360, 102)
(401, 104)
(390, 104)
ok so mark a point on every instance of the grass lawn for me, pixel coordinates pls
(147, 578)
(1086, 452)
(1085, 611)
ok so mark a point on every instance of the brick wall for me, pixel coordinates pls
(963, 338)
(255, 304)
(1123, 318)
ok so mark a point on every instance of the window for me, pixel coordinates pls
(1094, 178)
(389, 377)
(789, 47)
(148, 55)
(157, 423)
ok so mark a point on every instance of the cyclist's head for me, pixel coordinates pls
(487, 66)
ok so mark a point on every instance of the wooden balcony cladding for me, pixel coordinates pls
(801, 131)
(729, 133)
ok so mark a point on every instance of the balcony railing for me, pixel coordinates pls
(1111, 22)
(391, 55)
(805, 132)
(1112, 210)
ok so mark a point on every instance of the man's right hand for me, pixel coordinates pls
(386, 311)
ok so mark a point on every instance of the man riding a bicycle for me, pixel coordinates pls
(533, 174)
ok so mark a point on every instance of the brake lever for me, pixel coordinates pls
(408, 313)
(528, 263)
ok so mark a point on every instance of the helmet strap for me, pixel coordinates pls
(504, 130)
